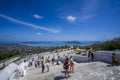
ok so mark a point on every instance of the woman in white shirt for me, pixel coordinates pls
(71, 64)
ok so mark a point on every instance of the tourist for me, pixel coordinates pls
(42, 58)
(115, 60)
(33, 61)
(39, 56)
(36, 64)
(71, 64)
(66, 67)
(42, 64)
(58, 60)
(23, 67)
(30, 64)
(90, 56)
(48, 63)
(53, 60)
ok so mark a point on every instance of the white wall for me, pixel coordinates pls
(7, 72)
(105, 56)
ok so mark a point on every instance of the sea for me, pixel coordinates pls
(55, 43)
(61, 43)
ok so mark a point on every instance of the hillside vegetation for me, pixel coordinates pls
(113, 44)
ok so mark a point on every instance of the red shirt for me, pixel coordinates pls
(67, 64)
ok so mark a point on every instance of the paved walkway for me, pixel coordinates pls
(83, 71)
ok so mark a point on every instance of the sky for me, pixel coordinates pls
(59, 20)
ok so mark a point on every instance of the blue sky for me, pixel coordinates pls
(59, 20)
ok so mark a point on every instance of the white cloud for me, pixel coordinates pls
(71, 18)
(37, 16)
(29, 24)
(39, 34)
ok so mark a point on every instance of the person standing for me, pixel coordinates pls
(36, 64)
(53, 60)
(71, 64)
(58, 60)
(66, 67)
(23, 67)
(48, 63)
(115, 60)
(42, 65)
(90, 56)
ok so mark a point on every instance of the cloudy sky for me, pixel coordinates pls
(59, 20)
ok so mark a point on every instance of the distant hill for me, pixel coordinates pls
(72, 42)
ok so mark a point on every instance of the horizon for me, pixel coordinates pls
(61, 20)
(52, 41)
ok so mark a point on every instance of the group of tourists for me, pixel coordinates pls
(68, 62)
(43, 62)
(68, 66)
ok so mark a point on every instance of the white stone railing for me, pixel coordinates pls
(8, 61)
(7, 72)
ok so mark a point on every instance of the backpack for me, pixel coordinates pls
(64, 66)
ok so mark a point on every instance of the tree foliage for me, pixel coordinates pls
(9, 54)
(113, 44)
